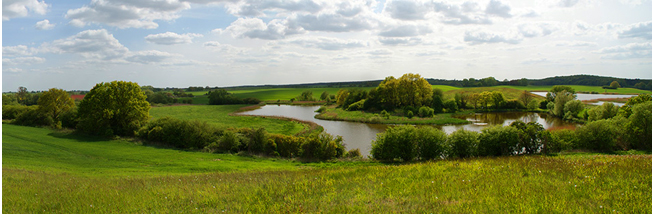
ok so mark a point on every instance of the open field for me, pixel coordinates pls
(218, 115)
(48, 172)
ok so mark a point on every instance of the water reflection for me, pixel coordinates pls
(360, 135)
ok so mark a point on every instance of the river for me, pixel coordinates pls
(360, 135)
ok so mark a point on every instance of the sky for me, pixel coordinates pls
(75, 44)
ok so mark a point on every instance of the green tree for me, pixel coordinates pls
(605, 111)
(497, 98)
(561, 98)
(118, 107)
(572, 109)
(22, 95)
(342, 94)
(409, 90)
(8, 99)
(498, 141)
(557, 90)
(627, 108)
(526, 97)
(53, 103)
(324, 95)
(462, 143)
(306, 96)
(437, 102)
(614, 84)
(640, 125)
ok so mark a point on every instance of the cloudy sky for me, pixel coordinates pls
(74, 44)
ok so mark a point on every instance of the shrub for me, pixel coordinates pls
(498, 141)
(529, 136)
(572, 109)
(410, 114)
(450, 106)
(514, 104)
(598, 135)
(563, 140)
(255, 140)
(34, 117)
(462, 143)
(398, 142)
(322, 147)
(10, 112)
(321, 109)
(356, 105)
(353, 153)
(640, 126)
(69, 119)
(229, 142)
(385, 114)
(286, 146)
(180, 133)
(533, 105)
(430, 143)
(425, 111)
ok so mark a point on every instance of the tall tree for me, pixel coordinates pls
(558, 89)
(118, 107)
(55, 102)
(22, 95)
(614, 84)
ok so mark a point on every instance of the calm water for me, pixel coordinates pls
(583, 97)
(360, 135)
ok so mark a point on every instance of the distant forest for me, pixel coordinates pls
(588, 80)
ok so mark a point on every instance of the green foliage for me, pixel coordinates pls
(514, 104)
(533, 104)
(640, 126)
(559, 103)
(255, 140)
(180, 133)
(601, 135)
(605, 111)
(356, 106)
(408, 90)
(559, 90)
(562, 140)
(10, 112)
(229, 142)
(409, 114)
(426, 111)
(325, 96)
(461, 99)
(385, 114)
(431, 143)
(614, 84)
(33, 117)
(321, 109)
(353, 153)
(498, 141)
(306, 96)
(626, 110)
(286, 146)
(463, 143)
(437, 102)
(531, 136)
(572, 109)
(9, 99)
(70, 119)
(322, 147)
(222, 97)
(117, 107)
(397, 142)
(450, 106)
(355, 97)
(55, 102)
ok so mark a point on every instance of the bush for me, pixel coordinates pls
(563, 140)
(462, 143)
(180, 133)
(353, 153)
(450, 106)
(398, 142)
(229, 142)
(598, 135)
(498, 141)
(34, 117)
(425, 111)
(385, 114)
(431, 143)
(255, 140)
(285, 146)
(321, 109)
(533, 105)
(322, 147)
(529, 136)
(640, 126)
(572, 109)
(410, 114)
(514, 104)
(359, 105)
(69, 119)
(10, 112)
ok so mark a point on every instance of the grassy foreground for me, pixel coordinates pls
(218, 115)
(48, 172)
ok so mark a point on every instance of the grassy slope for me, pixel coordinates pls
(45, 150)
(48, 172)
(219, 116)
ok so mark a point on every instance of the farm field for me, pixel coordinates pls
(218, 115)
(47, 172)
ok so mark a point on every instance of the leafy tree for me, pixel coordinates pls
(572, 109)
(605, 111)
(437, 102)
(526, 97)
(640, 125)
(451, 106)
(627, 108)
(221, 97)
(557, 90)
(118, 107)
(397, 142)
(324, 95)
(8, 99)
(498, 141)
(485, 98)
(426, 111)
(640, 85)
(530, 135)
(614, 84)
(474, 99)
(497, 98)
(306, 96)
(55, 102)
(342, 94)
(598, 135)
(561, 98)
(431, 143)
(22, 95)
(409, 90)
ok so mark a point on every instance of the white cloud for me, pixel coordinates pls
(475, 38)
(576, 43)
(150, 57)
(325, 43)
(22, 61)
(259, 7)
(12, 70)
(629, 51)
(21, 8)
(499, 8)
(126, 13)
(224, 48)
(44, 25)
(406, 31)
(401, 41)
(641, 30)
(537, 29)
(567, 3)
(431, 53)
(408, 10)
(255, 28)
(380, 52)
(19, 50)
(171, 38)
(332, 22)
(466, 13)
(535, 61)
(89, 43)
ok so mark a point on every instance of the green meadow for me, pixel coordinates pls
(46, 171)
(220, 116)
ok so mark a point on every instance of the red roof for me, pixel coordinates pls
(77, 97)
